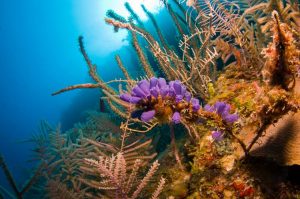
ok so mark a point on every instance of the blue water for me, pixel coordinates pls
(39, 54)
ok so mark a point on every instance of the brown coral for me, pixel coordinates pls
(282, 56)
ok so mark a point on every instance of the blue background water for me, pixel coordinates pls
(39, 55)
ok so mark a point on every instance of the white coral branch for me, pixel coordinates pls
(146, 179)
(159, 188)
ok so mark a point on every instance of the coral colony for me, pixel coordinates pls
(222, 109)
(170, 102)
(160, 99)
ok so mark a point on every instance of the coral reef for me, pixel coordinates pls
(231, 75)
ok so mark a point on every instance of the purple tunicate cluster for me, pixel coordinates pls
(217, 135)
(222, 109)
(155, 87)
(147, 115)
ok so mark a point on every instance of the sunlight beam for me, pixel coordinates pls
(100, 37)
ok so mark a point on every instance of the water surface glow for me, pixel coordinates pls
(100, 36)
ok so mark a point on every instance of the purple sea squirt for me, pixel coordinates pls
(222, 109)
(157, 98)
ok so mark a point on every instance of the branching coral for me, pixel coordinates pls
(57, 190)
(116, 179)
(191, 68)
(18, 193)
(62, 155)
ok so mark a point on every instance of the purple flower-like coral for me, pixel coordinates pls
(170, 101)
(148, 93)
(222, 109)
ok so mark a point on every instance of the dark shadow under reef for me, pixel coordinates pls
(275, 181)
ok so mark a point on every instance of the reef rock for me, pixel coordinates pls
(227, 163)
(281, 141)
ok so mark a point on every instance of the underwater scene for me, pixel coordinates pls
(149, 99)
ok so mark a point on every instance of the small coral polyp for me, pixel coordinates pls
(164, 101)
